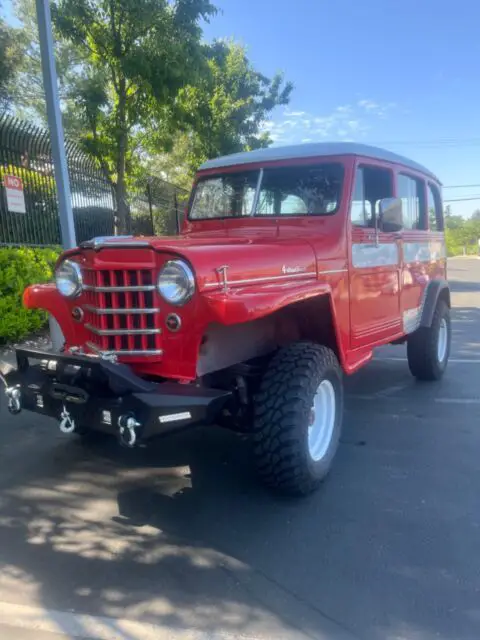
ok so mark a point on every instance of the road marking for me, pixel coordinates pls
(450, 360)
(87, 627)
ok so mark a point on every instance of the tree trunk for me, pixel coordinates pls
(123, 212)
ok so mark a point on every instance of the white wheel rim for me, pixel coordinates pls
(442, 340)
(322, 420)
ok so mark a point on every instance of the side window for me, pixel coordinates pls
(412, 193)
(361, 211)
(372, 184)
(435, 213)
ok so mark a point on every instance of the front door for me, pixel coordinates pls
(374, 263)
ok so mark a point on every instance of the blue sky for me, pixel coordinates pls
(403, 75)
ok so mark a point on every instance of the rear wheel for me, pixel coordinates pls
(428, 349)
(298, 415)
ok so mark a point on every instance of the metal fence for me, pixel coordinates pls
(25, 153)
(156, 207)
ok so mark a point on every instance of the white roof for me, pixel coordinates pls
(311, 150)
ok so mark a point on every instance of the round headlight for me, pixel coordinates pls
(176, 282)
(68, 278)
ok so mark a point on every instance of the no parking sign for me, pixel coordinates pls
(14, 192)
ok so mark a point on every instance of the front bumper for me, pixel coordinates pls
(84, 392)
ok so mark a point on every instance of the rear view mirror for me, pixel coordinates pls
(390, 214)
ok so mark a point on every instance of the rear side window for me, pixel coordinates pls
(412, 193)
(435, 213)
(300, 190)
(372, 184)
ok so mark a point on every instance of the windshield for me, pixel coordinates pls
(289, 191)
(226, 196)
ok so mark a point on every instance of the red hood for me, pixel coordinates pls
(246, 259)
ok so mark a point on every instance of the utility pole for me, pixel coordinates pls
(67, 227)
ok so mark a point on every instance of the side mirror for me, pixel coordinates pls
(390, 215)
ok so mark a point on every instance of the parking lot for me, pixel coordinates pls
(178, 541)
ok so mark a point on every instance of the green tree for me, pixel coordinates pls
(224, 110)
(27, 93)
(172, 165)
(136, 55)
(454, 222)
(140, 91)
(10, 56)
(221, 113)
(462, 234)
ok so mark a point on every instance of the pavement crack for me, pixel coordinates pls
(351, 635)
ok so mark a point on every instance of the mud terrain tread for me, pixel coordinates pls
(422, 347)
(282, 408)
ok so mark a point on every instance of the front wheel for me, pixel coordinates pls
(298, 414)
(428, 348)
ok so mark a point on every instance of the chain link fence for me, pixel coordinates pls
(29, 207)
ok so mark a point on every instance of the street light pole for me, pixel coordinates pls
(67, 227)
(55, 124)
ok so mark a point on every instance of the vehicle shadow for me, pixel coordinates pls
(138, 535)
(181, 535)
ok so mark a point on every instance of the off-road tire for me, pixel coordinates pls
(422, 346)
(282, 413)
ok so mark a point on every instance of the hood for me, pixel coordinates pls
(242, 260)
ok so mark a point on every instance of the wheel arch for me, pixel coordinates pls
(312, 319)
(317, 323)
(436, 290)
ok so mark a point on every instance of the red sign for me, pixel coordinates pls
(12, 182)
(14, 192)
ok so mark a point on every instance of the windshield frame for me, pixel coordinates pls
(212, 174)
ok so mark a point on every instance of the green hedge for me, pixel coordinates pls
(19, 268)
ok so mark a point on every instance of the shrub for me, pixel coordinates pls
(20, 267)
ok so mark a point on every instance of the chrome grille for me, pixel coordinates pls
(121, 314)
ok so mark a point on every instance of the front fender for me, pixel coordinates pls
(435, 289)
(244, 304)
(47, 298)
(247, 304)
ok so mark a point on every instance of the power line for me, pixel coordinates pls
(472, 142)
(464, 199)
(460, 186)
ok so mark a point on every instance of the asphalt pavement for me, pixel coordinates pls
(178, 541)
